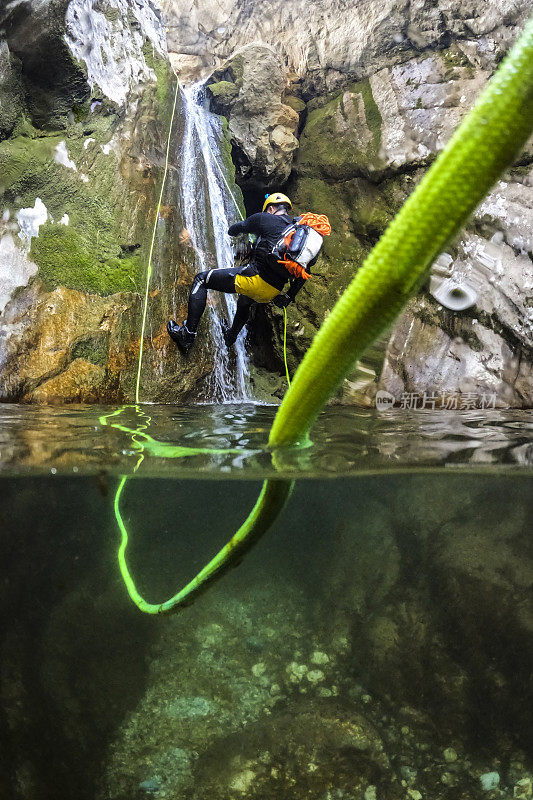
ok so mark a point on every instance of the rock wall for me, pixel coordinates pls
(82, 148)
(378, 90)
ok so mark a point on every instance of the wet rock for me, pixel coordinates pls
(80, 176)
(382, 97)
(327, 42)
(489, 781)
(10, 92)
(482, 356)
(248, 91)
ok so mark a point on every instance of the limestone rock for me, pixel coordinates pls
(384, 86)
(81, 164)
(486, 351)
(81, 382)
(248, 90)
(329, 42)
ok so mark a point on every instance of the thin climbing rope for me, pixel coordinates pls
(285, 346)
(485, 144)
(152, 243)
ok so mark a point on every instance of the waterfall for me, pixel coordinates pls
(209, 209)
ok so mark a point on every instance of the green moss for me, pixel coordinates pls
(320, 197)
(335, 141)
(20, 157)
(223, 91)
(373, 117)
(164, 76)
(94, 349)
(64, 259)
(295, 103)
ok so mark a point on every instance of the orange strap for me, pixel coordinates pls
(295, 269)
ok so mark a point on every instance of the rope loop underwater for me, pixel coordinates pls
(487, 141)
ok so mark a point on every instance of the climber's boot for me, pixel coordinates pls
(180, 334)
(228, 334)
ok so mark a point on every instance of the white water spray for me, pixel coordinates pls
(209, 209)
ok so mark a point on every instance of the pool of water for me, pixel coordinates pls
(90, 440)
(376, 643)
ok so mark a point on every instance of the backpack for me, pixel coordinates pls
(301, 242)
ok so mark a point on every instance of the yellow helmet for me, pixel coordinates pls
(274, 199)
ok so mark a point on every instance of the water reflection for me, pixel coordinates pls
(345, 441)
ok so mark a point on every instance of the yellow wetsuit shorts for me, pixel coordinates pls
(256, 288)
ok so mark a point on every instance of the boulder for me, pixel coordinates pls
(248, 90)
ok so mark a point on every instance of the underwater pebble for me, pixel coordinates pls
(188, 707)
(490, 780)
(259, 669)
(370, 793)
(242, 781)
(523, 788)
(255, 643)
(414, 794)
(450, 755)
(319, 658)
(315, 676)
(151, 786)
(296, 671)
(408, 773)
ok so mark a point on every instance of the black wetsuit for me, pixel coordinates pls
(268, 228)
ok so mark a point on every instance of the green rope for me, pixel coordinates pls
(485, 144)
(285, 346)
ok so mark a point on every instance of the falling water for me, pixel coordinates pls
(209, 209)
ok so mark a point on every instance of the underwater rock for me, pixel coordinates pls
(455, 643)
(489, 781)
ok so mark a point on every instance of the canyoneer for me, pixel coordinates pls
(284, 251)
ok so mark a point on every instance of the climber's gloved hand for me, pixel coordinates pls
(282, 300)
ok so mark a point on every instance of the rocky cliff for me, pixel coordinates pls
(372, 92)
(86, 94)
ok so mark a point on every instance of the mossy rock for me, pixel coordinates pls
(342, 139)
(295, 103)
(94, 349)
(65, 259)
(231, 72)
(223, 91)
